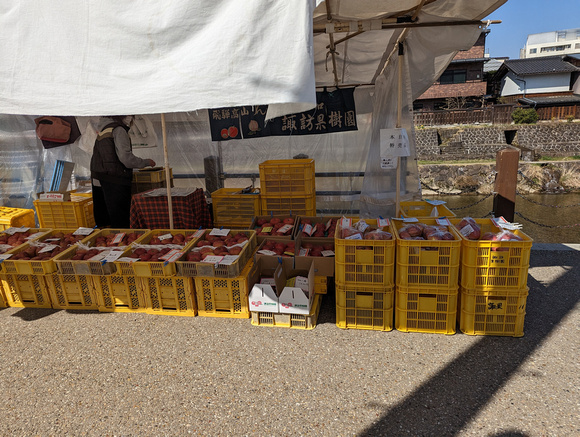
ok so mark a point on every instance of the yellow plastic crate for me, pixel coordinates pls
(429, 263)
(33, 234)
(191, 269)
(322, 283)
(151, 175)
(172, 295)
(288, 177)
(494, 265)
(17, 217)
(498, 312)
(294, 321)
(26, 291)
(119, 293)
(30, 267)
(288, 205)
(364, 262)
(67, 266)
(422, 208)
(3, 302)
(428, 310)
(78, 212)
(364, 307)
(225, 297)
(233, 209)
(146, 269)
(72, 292)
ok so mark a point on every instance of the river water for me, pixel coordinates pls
(546, 218)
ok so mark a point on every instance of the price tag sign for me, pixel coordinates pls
(172, 256)
(228, 260)
(308, 229)
(113, 255)
(165, 237)
(443, 221)
(48, 248)
(83, 231)
(303, 251)
(285, 228)
(327, 253)
(12, 231)
(220, 232)
(199, 233)
(4, 257)
(212, 259)
(356, 236)
(394, 142)
(31, 236)
(435, 202)
(466, 230)
(118, 238)
(267, 230)
(267, 252)
(410, 220)
(328, 223)
(382, 222)
(126, 259)
(345, 222)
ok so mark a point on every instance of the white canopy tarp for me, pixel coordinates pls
(143, 57)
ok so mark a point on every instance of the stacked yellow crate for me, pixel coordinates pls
(427, 276)
(222, 289)
(364, 280)
(288, 187)
(493, 281)
(234, 208)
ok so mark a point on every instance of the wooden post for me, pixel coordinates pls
(506, 181)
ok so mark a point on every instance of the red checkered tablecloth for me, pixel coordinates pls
(189, 212)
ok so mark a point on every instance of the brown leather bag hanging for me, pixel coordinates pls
(53, 129)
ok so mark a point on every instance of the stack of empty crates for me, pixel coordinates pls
(288, 187)
(364, 281)
(493, 283)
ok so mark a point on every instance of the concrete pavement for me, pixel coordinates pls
(89, 373)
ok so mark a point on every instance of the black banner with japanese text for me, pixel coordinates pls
(334, 112)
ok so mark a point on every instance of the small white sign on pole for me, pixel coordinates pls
(394, 142)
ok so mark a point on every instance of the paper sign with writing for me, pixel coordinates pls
(443, 221)
(356, 236)
(118, 238)
(83, 231)
(48, 248)
(220, 232)
(345, 222)
(394, 142)
(126, 259)
(267, 230)
(12, 231)
(199, 233)
(435, 202)
(165, 237)
(466, 230)
(5, 256)
(308, 229)
(172, 256)
(410, 220)
(389, 163)
(212, 259)
(228, 260)
(31, 236)
(382, 222)
(267, 252)
(303, 251)
(327, 253)
(285, 228)
(328, 223)
(113, 255)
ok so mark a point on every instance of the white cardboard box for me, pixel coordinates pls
(263, 298)
(295, 300)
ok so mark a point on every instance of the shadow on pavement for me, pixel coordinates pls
(447, 402)
(32, 314)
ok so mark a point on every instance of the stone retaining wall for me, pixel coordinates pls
(474, 142)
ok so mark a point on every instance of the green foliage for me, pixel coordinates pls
(570, 118)
(525, 116)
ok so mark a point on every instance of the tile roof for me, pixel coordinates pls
(569, 99)
(540, 65)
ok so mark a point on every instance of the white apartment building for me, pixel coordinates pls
(559, 42)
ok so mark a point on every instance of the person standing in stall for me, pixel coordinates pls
(112, 167)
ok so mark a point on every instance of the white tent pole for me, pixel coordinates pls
(399, 114)
(167, 172)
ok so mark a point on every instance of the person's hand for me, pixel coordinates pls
(151, 163)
